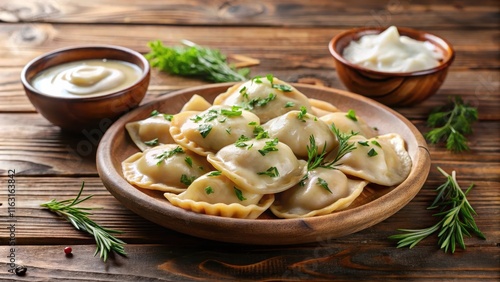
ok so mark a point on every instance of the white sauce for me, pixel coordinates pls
(390, 52)
(86, 78)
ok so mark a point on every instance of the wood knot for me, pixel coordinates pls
(31, 35)
(240, 10)
(28, 11)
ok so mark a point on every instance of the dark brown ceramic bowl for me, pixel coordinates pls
(83, 113)
(389, 88)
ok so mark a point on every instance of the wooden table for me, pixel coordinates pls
(290, 39)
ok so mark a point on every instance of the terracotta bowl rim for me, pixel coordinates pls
(449, 55)
(145, 73)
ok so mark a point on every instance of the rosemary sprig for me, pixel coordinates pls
(194, 60)
(78, 217)
(452, 123)
(457, 218)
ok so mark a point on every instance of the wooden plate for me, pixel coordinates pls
(374, 205)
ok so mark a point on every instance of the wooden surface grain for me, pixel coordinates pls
(290, 39)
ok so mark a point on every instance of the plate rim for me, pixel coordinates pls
(114, 182)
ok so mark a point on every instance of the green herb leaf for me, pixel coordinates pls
(374, 142)
(372, 152)
(351, 114)
(363, 143)
(323, 184)
(187, 180)
(302, 114)
(154, 113)
(195, 61)
(215, 173)
(167, 154)
(451, 123)
(270, 146)
(189, 161)
(152, 142)
(457, 218)
(209, 190)
(205, 129)
(78, 217)
(271, 172)
(239, 194)
(289, 104)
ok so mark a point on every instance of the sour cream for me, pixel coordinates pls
(390, 52)
(86, 78)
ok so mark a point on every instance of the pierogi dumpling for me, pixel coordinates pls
(321, 108)
(381, 160)
(264, 98)
(166, 167)
(262, 166)
(150, 132)
(196, 103)
(295, 128)
(215, 194)
(324, 191)
(208, 131)
(347, 125)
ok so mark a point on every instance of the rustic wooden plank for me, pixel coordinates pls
(257, 13)
(33, 146)
(22, 42)
(329, 261)
(33, 222)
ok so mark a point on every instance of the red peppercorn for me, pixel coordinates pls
(68, 250)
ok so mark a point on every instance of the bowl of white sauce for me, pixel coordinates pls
(86, 87)
(395, 66)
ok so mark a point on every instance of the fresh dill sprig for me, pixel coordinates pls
(452, 123)
(194, 60)
(457, 218)
(78, 217)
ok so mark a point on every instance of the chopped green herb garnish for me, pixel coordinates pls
(321, 182)
(302, 114)
(152, 142)
(215, 173)
(363, 143)
(372, 152)
(204, 129)
(154, 113)
(241, 141)
(374, 142)
(168, 117)
(351, 114)
(167, 154)
(239, 194)
(257, 79)
(271, 172)
(289, 104)
(233, 112)
(260, 133)
(196, 118)
(189, 161)
(252, 123)
(209, 190)
(228, 130)
(186, 180)
(270, 78)
(270, 146)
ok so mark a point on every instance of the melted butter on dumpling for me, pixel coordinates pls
(267, 100)
(382, 160)
(166, 167)
(150, 132)
(215, 194)
(209, 131)
(262, 166)
(295, 128)
(324, 191)
(347, 125)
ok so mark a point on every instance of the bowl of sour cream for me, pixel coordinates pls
(395, 66)
(86, 87)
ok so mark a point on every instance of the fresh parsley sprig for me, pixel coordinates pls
(78, 217)
(194, 60)
(452, 123)
(457, 218)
